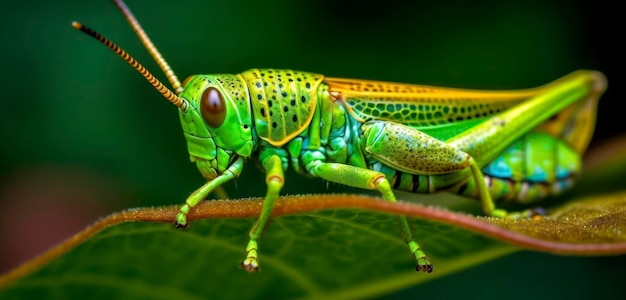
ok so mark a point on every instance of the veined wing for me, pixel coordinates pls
(445, 112)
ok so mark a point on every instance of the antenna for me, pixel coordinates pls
(158, 85)
(145, 40)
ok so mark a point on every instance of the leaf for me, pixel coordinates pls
(331, 246)
(332, 253)
(586, 224)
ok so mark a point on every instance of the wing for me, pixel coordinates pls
(445, 112)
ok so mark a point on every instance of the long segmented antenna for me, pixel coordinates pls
(158, 85)
(145, 40)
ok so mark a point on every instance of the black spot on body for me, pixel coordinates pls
(295, 118)
(259, 96)
(274, 125)
(258, 85)
(397, 177)
(263, 112)
(307, 85)
(286, 108)
(284, 94)
(415, 183)
(293, 102)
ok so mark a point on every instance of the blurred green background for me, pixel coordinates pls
(84, 135)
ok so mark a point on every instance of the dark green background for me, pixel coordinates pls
(84, 135)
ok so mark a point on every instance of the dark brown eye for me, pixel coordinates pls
(212, 107)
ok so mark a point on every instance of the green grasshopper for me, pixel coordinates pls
(519, 145)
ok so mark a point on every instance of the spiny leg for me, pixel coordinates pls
(485, 141)
(372, 180)
(198, 195)
(274, 180)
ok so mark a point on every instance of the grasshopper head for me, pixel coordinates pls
(214, 109)
(217, 123)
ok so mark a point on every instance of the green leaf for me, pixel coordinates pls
(330, 246)
(336, 252)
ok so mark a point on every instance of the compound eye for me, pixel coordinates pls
(212, 107)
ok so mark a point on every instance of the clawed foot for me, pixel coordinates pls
(424, 265)
(250, 264)
(181, 221)
(178, 225)
(423, 262)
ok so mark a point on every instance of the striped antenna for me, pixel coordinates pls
(158, 85)
(145, 40)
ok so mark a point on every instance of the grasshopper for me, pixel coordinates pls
(516, 145)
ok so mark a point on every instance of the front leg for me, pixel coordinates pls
(198, 195)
